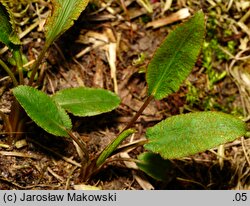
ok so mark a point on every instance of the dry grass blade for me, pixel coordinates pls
(3, 145)
(221, 155)
(142, 181)
(66, 159)
(244, 27)
(111, 56)
(58, 177)
(98, 40)
(20, 154)
(242, 79)
(146, 5)
(246, 151)
(70, 175)
(167, 5)
(177, 16)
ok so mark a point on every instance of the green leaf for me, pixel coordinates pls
(43, 110)
(8, 34)
(188, 134)
(154, 166)
(175, 58)
(85, 101)
(62, 18)
(112, 146)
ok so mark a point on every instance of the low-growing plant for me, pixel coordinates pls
(174, 137)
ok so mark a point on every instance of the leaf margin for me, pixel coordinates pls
(19, 93)
(58, 96)
(152, 146)
(58, 15)
(161, 52)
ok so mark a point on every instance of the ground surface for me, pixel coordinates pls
(104, 49)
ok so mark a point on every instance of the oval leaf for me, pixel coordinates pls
(8, 34)
(43, 110)
(188, 134)
(85, 101)
(175, 58)
(154, 166)
(62, 18)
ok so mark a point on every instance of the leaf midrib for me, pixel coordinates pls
(166, 72)
(81, 102)
(47, 116)
(62, 18)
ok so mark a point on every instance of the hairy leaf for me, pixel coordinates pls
(62, 18)
(43, 110)
(85, 101)
(188, 134)
(8, 34)
(175, 58)
(154, 166)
